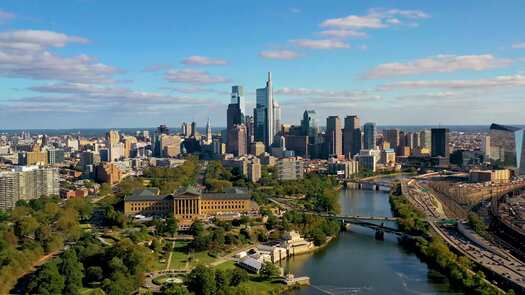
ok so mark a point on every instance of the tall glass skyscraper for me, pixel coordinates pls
(237, 97)
(310, 125)
(263, 113)
(507, 146)
(369, 140)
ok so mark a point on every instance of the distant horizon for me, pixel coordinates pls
(404, 62)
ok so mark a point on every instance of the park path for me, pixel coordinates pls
(169, 257)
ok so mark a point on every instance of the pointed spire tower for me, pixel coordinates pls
(208, 131)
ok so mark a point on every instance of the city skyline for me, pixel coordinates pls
(387, 63)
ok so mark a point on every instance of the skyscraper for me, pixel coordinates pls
(237, 140)
(334, 136)
(351, 136)
(237, 97)
(392, 137)
(370, 136)
(276, 117)
(208, 131)
(439, 142)
(310, 125)
(507, 146)
(263, 114)
(425, 138)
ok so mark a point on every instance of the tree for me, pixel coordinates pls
(174, 289)
(72, 270)
(269, 270)
(201, 281)
(105, 189)
(47, 281)
(222, 278)
(171, 226)
(239, 275)
(94, 274)
(197, 228)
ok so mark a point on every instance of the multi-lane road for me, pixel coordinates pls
(464, 240)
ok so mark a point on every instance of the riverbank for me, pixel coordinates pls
(431, 249)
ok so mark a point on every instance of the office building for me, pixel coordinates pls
(108, 173)
(439, 141)
(237, 97)
(263, 114)
(391, 136)
(32, 158)
(388, 157)
(257, 148)
(276, 117)
(112, 137)
(370, 136)
(351, 136)
(343, 169)
(334, 137)
(310, 126)
(299, 144)
(186, 130)
(485, 147)
(507, 146)
(290, 168)
(55, 156)
(162, 129)
(208, 132)
(425, 138)
(237, 143)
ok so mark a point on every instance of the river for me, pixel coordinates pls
(356, 263)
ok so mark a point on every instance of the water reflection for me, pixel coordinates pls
(358, 264)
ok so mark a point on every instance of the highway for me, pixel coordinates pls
(484, 253)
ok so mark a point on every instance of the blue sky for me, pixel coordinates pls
(94, 63)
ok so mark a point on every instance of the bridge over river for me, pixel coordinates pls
(366, 221)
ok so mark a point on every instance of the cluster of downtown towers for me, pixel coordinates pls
(306, 140)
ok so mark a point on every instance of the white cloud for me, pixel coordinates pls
(84, 97)
(518, 45)
(344, 33)
(295, 10)
(320, 43)
(322, 98)
(438, 64)
(193, 77)
(6, 16)
(376, 19)
(203, 61)
(36, 40)
(279, 54)
(24, 54)
(496, 82)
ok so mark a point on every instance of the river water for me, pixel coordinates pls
(356, 263)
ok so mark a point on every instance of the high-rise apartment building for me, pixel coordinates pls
(334, 136)
(26, 183)
(290, 168)
(439, 140)
(370, 136)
